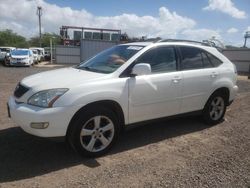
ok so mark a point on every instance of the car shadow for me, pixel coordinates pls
(158, 131)
(24, 156)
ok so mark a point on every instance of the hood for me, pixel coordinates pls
(19, 56)
(61, 78)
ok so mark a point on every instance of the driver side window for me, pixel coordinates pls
(161, 59)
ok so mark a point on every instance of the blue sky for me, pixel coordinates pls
(194, 19)
(189, 8)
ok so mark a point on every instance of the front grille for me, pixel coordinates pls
(20, 90)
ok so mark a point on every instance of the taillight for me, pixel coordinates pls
(235, 70)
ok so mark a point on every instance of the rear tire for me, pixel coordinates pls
(215, 109)
(94, 132)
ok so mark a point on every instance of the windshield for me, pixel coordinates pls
(19, 52)
(39, 52)
(111, 59)
(5, 50)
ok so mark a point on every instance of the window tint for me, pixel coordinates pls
(191, 58)
(161, 59)
(206, 61)
(215, 61)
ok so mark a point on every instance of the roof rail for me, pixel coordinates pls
(204, 43)
(181, 40)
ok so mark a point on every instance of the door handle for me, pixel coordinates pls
(176, 79)
(214, 74)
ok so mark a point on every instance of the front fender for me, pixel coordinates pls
(116, 91)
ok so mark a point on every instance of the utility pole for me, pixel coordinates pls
(51, 51)
(39, 13)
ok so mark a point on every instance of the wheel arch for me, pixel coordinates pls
(224, 91)
(113, 105)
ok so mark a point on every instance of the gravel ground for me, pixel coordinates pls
(175, 153)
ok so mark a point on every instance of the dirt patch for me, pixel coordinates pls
(176, 153)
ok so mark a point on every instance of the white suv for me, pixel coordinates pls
(130, 83)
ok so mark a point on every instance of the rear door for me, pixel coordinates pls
(198, 78)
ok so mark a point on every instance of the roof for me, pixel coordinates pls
(22, 49)
(138, 43)
(7, 47)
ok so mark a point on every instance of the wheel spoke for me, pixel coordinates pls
(91, 144)
(212, 113)
(213, 103)
(107, 127)
(218, 102)
(220, 108)
(216, 114)
(86, 132)
(97, 121)
(104, 140)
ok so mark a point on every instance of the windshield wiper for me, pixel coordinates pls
(84, 68)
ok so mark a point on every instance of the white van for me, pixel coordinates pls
(40, 53)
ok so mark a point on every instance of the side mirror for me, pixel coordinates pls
(141, 69)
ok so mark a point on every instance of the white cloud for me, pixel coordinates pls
(167, 24)
(201, 34)
(232, 30)
(227, 7)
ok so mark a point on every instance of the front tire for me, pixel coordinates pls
(215, 109)
(94, 132)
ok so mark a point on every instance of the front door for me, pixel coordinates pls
(158, 94)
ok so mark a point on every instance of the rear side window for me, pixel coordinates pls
(191, 58)
(161, 59)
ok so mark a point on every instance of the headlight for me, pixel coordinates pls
(25, 59)
(46, 98)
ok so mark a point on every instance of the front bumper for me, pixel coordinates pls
(15, 63)
(58, 118)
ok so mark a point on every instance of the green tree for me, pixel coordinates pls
(34, 41)
(9, 38)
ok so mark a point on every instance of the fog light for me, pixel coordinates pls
(39, 125)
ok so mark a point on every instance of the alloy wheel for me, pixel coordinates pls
(217, 108)
(97, 133)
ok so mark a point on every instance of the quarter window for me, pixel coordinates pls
(215, 61)
(161, 59)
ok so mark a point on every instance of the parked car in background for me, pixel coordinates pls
(40, 53)
(35, 56)
(47, 56)
(4, 54)
(21, 57)
(127, 84)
